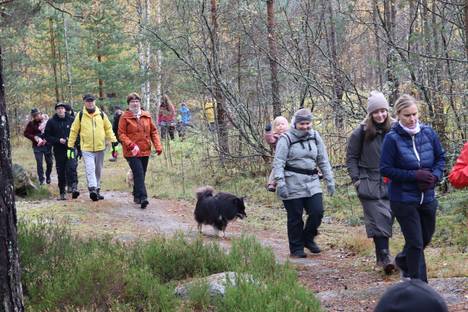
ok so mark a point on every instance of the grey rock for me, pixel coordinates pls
(22, 180)
(216, 283)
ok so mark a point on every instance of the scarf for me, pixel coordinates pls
(413, 131)
(136, 112)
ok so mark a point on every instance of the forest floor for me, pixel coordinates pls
(342, 280)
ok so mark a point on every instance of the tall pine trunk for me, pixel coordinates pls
(54, 58)
(273, 58)
(223, 142)
(11, 292)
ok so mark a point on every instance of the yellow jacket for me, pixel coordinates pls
(93, 130)
(209, 108)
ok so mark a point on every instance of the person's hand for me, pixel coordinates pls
(331, 189)
(282, 189)
(71, 153)
(79, 154)
(426, 180)
(135, 150)
(159, 151)
(268, 127)
(63, 141)
(114, 144)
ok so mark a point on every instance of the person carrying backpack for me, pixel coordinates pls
(56, 133)
(362, 161)
(300, 152)
(93, 128)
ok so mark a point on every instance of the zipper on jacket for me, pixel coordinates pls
(419, 162)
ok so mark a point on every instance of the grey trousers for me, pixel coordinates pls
(93, 162)
(378, 217)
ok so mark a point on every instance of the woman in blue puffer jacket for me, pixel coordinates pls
(413, 159)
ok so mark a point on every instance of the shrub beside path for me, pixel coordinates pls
(342, 280)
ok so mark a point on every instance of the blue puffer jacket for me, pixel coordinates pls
(399, 162)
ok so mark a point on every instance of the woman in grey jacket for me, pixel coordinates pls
(299, 152)
(362, 160)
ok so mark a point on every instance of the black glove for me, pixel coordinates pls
(79, 154)
(425, 179)
(268, 127)
(114, 144)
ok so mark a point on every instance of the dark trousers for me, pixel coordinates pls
(41, 153)
(138, 166)
(417, 223)
(66, 169)
(298, 234)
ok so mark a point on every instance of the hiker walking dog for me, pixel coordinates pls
(34, 131)
(300, 152)
(136, 132)
(56, 132)
(93, 128)
(414, 160)
(363, 160)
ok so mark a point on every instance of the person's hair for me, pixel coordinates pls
(133, 96)
(165, 100)
(277, 121)
(403, 102)
(371, 129)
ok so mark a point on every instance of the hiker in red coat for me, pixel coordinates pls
(459, 174)
(42, 149)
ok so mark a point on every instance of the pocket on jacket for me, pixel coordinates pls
(368, 189)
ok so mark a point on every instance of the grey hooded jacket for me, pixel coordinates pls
(308, 154)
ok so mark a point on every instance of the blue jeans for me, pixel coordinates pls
(417, 223)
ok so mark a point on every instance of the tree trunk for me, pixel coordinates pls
(223, 142)
(273, 56)
(100, 81)
(159, 56)
(378, 67)
(391, 58)
(11, 292)
(466, 28)
(67, 59)
(336, 75)
(144, 52)
(54, 58)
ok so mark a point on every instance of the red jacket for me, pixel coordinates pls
(459, 174)
(32, 130)
(166, 113)
(141, 132)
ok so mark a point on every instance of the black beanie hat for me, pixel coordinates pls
(411, 296)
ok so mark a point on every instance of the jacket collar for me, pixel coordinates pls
(96, 112)
(400, 131)
(129, 114)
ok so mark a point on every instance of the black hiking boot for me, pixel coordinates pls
(313, 247)
(62, 197)
(298, 254)
(136, 200)
(144, 203)
(401, 266)
(384, 261)
(93, 194)
(75, 192)
(48, 180)
(100, 197)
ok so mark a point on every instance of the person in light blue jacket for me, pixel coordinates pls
(300, 153)
(414, 160)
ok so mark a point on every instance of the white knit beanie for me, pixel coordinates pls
(376, 101)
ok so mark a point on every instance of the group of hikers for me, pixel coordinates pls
(394, 166)
(71, 136)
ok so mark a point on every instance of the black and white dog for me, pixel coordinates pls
(217, 210)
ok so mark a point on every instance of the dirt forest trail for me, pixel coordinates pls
(338, 277)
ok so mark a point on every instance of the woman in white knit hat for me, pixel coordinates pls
(362, 160)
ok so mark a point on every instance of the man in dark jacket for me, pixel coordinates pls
(56, 132)
(115, 128)
(35, 132)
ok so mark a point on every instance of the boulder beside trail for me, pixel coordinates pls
(216, 283)
(22, 180)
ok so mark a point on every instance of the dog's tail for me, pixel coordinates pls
(204, 191)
